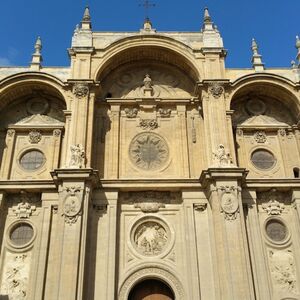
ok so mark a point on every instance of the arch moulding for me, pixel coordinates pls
(126, 45)
(282, 84)
(151, 272)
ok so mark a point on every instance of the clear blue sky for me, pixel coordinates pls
(274, 23)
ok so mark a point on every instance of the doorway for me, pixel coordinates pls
(151, 289)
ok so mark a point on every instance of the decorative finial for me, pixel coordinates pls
(254, 47)
(298, 48)
(37, 56)
(86, 20)
(208, 23)
(38, 46)
(86, 15)
(207, 18)
(257, 63)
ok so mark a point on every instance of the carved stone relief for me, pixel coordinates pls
(148, 151)
(222, 158)
(72, 205)
(201, 207)
(229, 202)
(34, 137)
(149, 124)
(56, 132)
(77, 157)
(150, 238)
(10, 132)
(131, 112)
(80, 89)
(216, 89)
(128, 82)
(23, 210)
(273, 201)
(25, 205)
(283, 270)
(164, 112)
(260, 137)
(273, 207)
(16, 276)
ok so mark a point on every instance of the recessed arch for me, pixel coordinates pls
(156, 272)
(269, 85)
(22, 84)
(156, 48)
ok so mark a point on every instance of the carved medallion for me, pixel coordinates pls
(229, 202)
(131, 112)
(216, 89)
(150, 238)
(148, 151)
(72, 208)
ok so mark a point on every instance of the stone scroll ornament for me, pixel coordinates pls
(34, 137)
(229, 203)
(77, 160)
(72, 205)
(222, 158)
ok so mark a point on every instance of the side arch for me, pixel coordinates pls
(22, 84)
(278, 86)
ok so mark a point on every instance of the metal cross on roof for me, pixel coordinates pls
(147, 5)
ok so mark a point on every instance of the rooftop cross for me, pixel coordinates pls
(147, 5)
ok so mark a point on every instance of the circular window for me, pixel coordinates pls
(276, 230)
(32, 160)
(263, 159)
(21, 234)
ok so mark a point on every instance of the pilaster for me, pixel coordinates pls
(74, 187)
(223, 187)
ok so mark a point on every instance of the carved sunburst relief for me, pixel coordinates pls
(148, 151)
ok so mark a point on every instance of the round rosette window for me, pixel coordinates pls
(263, 159)
(32, 160)
(276, 230)
(148, 151)
(21, 234)
(151, 237)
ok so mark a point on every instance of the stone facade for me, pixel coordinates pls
(147, 158)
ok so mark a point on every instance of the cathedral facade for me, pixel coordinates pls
(148, 170)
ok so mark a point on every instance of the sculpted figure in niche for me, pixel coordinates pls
(222, 158)
(77, 156)
(147, 82)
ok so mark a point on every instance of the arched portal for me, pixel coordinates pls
(151, 289)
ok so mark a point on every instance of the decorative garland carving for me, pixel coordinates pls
(34, 137)
(131, 112)
(81, 89)
(273, 207)
(150, 124)
(165, 113)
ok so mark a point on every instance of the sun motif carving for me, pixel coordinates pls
(148, 151)
(150, 238)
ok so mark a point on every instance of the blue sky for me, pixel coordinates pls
(274, 24)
